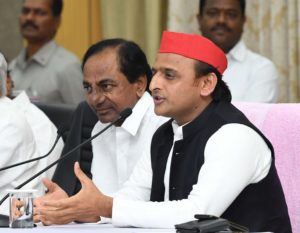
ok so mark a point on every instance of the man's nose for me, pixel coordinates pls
(221, 17)
(29, 15)
(97, 96)
(154, 84)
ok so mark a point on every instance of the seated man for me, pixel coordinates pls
(17, 143)
(26, 133)
(208, 159)
(116, 76)
(44, 131)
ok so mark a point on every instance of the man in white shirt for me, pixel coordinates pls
(44, 131)
(17, 143)
(116, 76)
(45, 70)
(26, 133)
(208, 159)
(250, 76)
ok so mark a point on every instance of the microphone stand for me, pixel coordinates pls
(32, 160)
(123, 115)
(60, 132)
(4, 219)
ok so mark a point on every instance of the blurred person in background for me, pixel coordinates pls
(45, 70)
(250, 76)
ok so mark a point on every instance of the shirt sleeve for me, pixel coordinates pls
(17, 145)
(138, 186)
(235, 156)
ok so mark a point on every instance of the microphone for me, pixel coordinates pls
(60, 131)
(122, 116)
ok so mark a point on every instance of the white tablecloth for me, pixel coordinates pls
(74, 228)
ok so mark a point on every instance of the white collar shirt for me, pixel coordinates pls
(17, 144)
(116, 151)
(178, 135)
(44, 131)
(250, 76)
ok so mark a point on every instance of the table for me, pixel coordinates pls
(86, 228)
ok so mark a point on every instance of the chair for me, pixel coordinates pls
(57, 113)
(83, 122)
(280, 123)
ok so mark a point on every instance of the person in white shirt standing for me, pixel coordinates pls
(116, 76)
(250, 76)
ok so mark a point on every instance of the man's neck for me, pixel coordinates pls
(195, 113)
(33, 47)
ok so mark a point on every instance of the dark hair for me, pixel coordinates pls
(132, 60)
(57, 6)
(242, 4)
(221, 91)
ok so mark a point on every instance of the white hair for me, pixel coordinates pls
(3, 74)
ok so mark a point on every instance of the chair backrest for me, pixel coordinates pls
(280, 123)
(83, 121)
(57, 113)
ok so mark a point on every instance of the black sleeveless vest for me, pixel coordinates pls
(260, 206)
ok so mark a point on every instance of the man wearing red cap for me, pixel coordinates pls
(208, 159)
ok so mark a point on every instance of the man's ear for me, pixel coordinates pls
(245, 19)
(141, 85)
(199, 17)
(208, 84)
(57, 22)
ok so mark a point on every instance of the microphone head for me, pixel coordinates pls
(125, 113)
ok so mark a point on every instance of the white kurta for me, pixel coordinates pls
(116, 151)
(243, 158)
(44, 131)
(17, 144)
(250, 76)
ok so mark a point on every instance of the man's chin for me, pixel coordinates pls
(107, 118)
(161, 112)
(219, 39)
(30, 37)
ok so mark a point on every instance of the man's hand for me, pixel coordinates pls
(85, 206)
(54, 193)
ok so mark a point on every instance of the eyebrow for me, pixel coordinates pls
(225, 9)
(85, 83)
(105, 81)
(27, 8)
(164, 69)
(101, 82)
(170, 70)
